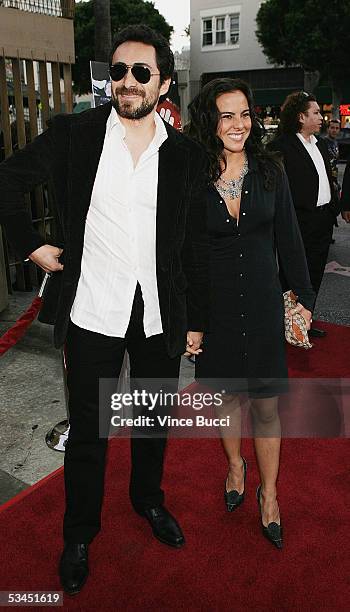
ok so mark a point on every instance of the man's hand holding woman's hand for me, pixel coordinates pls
(46, 257)
(194, 342)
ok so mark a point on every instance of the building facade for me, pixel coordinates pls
(223, 43)
(37, 50)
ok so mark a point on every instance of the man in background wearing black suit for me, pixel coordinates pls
(309, 173)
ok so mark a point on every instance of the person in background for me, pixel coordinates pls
(309, 172)
(250, 210)
(345, 195)
(333, 131)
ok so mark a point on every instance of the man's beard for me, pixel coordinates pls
(127, 110)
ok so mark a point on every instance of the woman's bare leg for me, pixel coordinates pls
(267, 439)
(231, 441)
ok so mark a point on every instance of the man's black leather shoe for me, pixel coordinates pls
(164, 526)
(73, 567)
(317, 333)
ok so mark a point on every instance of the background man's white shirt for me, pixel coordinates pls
(324, 190)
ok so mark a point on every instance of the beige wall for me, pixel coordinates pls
(35, 36)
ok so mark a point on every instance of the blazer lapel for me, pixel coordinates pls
(299, 145)
(325, 156)
(172, 187)
(86, 148)
(87, 137)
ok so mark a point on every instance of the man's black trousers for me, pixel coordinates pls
(91, 356)
(316, 228)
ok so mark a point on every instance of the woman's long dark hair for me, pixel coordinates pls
(203, 125)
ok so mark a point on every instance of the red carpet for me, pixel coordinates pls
(226, 563)
(328, 358)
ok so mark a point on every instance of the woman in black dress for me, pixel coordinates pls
(250, 215)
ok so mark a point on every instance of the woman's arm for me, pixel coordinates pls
(290, 245)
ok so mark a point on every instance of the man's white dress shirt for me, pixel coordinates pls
(324, 190)
(120, 237)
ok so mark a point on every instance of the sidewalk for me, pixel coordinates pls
(31, 381)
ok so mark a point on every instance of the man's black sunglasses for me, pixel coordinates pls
(141, 73)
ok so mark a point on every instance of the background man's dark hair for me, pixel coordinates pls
(143, 34)
(337, 121)
(296, 103)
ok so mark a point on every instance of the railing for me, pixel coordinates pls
(25, 109)
(56, 8)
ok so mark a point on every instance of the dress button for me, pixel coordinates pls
(243, 214)
(238, 234)
(242, 315)
(221, 202)
(243, 333)
(241, 254)
(246, 191)
(227, 220)
(241, 274)
(241, 295)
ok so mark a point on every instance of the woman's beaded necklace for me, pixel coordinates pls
(232, 189)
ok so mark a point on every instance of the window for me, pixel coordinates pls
(220, 32)
(220, 28)
(207, 32)
(234, 29)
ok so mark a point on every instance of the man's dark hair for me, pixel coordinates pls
(143, 34)
(337, 121)
(296, 103)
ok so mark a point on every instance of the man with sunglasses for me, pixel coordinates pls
(132, 270)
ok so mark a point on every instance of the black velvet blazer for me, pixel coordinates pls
(301, 171)
(67, 155)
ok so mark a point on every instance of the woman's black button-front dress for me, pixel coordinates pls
(244, 349)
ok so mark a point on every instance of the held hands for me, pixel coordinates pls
(304, 313)
(346, 215)
(194, 341)
(46, 257)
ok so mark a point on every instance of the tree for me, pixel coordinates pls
(123, 13)
(311, 33)
(102, 39)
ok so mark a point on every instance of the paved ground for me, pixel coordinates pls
(31, 401)
(31, 381)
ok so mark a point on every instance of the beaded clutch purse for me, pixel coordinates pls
(295, 329)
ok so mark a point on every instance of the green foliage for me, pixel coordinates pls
(123, 13)
(312, 33)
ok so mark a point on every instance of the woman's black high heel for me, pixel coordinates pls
(233, 499)
(273, 532)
